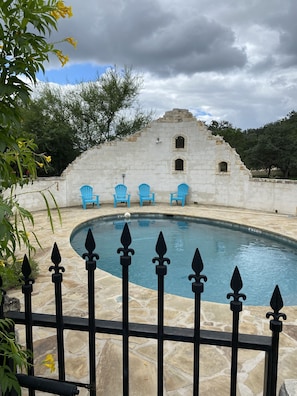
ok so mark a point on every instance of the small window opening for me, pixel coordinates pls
(223, 166)
(179, 142)
(179, 165)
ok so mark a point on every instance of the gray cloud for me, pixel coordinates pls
(233, 59)
(152, 38)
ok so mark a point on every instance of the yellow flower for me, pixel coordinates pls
(71, 41)
(2, 263)
(55, 14)
(40, 164)
(62, 58)
(20, 144)
(62, 11)
(48, 158)
(49, 362)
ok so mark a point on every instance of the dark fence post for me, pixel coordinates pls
(197, 288)
(276, 326)
(236, 307)
(57, 279)
(125, 261)
(91, 267)
(161, 271)
(27, 289)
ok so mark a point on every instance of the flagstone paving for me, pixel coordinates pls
(215, 362)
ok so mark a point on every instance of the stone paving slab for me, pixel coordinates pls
(215, 362)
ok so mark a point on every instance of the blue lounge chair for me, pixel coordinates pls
(88, 197)
(180, 195)
(144, 192)
(121, 195)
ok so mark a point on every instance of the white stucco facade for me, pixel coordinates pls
(212, 169)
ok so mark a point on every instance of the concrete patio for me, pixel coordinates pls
(215, 363)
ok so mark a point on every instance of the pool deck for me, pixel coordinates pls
(215, 362)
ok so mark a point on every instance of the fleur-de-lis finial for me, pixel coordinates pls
(126, 242)
(56, 259)
(90, 246)
(126, 236)
(26, 271)
(276, 304)
(236, 286)
(161, 250)
(197, 266)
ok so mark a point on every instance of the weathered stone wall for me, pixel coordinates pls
(149, 157)
(31, 196)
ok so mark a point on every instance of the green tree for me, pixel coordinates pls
(65, 123)
(273, 145)
(262, 154)
(46, 120)
(234, 136)
(107, 108)
(276, 146)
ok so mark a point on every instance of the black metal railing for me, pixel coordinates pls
(159, 332)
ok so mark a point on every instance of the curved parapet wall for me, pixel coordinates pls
(173, 149)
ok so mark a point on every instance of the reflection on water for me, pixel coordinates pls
(144, 223)
(263, 262)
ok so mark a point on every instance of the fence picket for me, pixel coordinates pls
(90, 257)
(197, 288)
(57, 279)
(125, 261)
(236, 307)
(161, 271)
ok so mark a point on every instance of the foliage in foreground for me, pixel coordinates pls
(13, 357)
(25, 26)
(24, 47)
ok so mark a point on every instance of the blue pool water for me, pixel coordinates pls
(263, 259)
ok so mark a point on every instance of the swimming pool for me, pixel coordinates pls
(263, 259)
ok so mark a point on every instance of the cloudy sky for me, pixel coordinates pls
(233, 60)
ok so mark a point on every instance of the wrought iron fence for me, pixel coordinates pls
(126, 329)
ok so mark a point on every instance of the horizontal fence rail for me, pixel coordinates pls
(161, 333)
